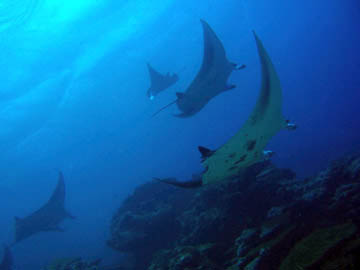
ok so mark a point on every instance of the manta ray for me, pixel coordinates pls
(7, 261)
(159, 82)
(247, 146)
(47, 218)
(210, 81)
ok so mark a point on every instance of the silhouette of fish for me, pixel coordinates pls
(47, 218)
(210, 81)
(159, 82)
(7, 261)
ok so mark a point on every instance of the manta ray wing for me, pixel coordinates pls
(211, 80)
(246, 146)
(47, 218)
(214, 56)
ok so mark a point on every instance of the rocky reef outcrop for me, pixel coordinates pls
(75, 263)
(265, 219)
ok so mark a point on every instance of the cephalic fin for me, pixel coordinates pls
(205, 152)
(238, 67)
(180, 95)
(231, 86)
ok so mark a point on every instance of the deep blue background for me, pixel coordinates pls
(72, 98)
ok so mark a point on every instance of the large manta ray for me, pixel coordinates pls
(247, 146)
(7, 261)
(211, 79)
(159, 82)
(47, 218)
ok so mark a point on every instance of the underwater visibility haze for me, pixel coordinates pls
(83, 84)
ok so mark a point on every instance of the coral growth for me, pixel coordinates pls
(267, 220)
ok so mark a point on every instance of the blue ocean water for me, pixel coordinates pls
(73, 98)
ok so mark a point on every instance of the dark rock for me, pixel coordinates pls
(202, 257)
(146, 222)
(266, 219)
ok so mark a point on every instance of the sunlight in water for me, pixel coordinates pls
(14, 13)
(133, 17)
(68, 10)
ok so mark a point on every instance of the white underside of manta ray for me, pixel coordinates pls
(247, 146)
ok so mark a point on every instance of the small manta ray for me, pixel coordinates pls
(211, 79)
(7, 262)
(47, 218)
(246, 147)
(159, 82)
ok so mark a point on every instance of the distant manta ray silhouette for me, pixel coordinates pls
(210, 81)
(159, 82)
(47, 218)
(7, 261)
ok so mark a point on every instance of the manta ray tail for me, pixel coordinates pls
(186, 184)
(163, 108)
(205, 152)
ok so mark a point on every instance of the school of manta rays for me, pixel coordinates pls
(244, 149)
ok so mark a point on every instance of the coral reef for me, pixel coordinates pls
(265, 220)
